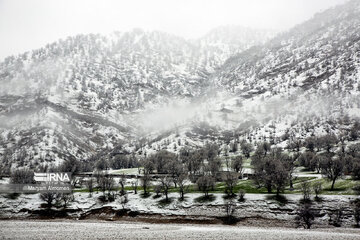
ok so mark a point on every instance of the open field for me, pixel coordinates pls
(342, 187)
(58, 230)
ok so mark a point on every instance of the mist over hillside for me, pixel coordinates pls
(88, 93)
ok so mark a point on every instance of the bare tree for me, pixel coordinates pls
(183, 188)
(231, 180)
(102, 164)
(157, 190)
(290, 165)
(246, 149)
(175, 169)
(106, 183)
(51, 198)
(145, 183)
(230, 208)
(135, 185)
(271, 171)
(317, 187)
(329, 141)
(122, 183)
(337, 217)
(305, 215)
(310, 143)
(332, 169)
(124, 200)
(90, 186)
(66, 198)
(306, 191)
(237, 164)
(214, 165)
(280, 177)
(166, 185)
(205, 184)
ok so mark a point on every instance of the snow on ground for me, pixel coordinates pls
(255, 205)
(57, 230)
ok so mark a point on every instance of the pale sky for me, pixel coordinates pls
(30, 24)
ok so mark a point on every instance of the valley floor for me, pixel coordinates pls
(57, 230)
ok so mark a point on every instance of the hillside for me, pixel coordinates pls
(75, 97)
(141, 91)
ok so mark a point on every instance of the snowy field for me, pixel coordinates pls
(117, 230)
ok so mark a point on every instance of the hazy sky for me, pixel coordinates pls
(29, 24)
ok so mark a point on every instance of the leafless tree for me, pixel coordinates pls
(157, 190)
(175, 169)
(328, 141)
(230, 208)
(337, 217)
(122, 183)
(306, 191)
(166, 183)
(280, 177)
(124, 200)
(246, 149)
(290, 165)
(66, 198)
(183, 188)
(205, 184)
(145, 183)
(90, 185)
(332, 169)
(271, 170)
(305, 215)
(237, 164)
(214, 166)
(135, 185)
(230, 180)
(106, 183)
(317, 187)
(51, 198)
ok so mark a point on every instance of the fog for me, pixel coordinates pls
(177, 114)
(25, 25)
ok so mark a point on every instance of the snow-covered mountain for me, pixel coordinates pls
(81, 95)
(305, 80)
(144, 91)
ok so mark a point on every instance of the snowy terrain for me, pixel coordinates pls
(118, 230)
(256, 206)
(143, 91)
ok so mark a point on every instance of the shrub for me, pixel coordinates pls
(242, 195)
(305, 216)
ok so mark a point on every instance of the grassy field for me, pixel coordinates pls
(342, 187)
